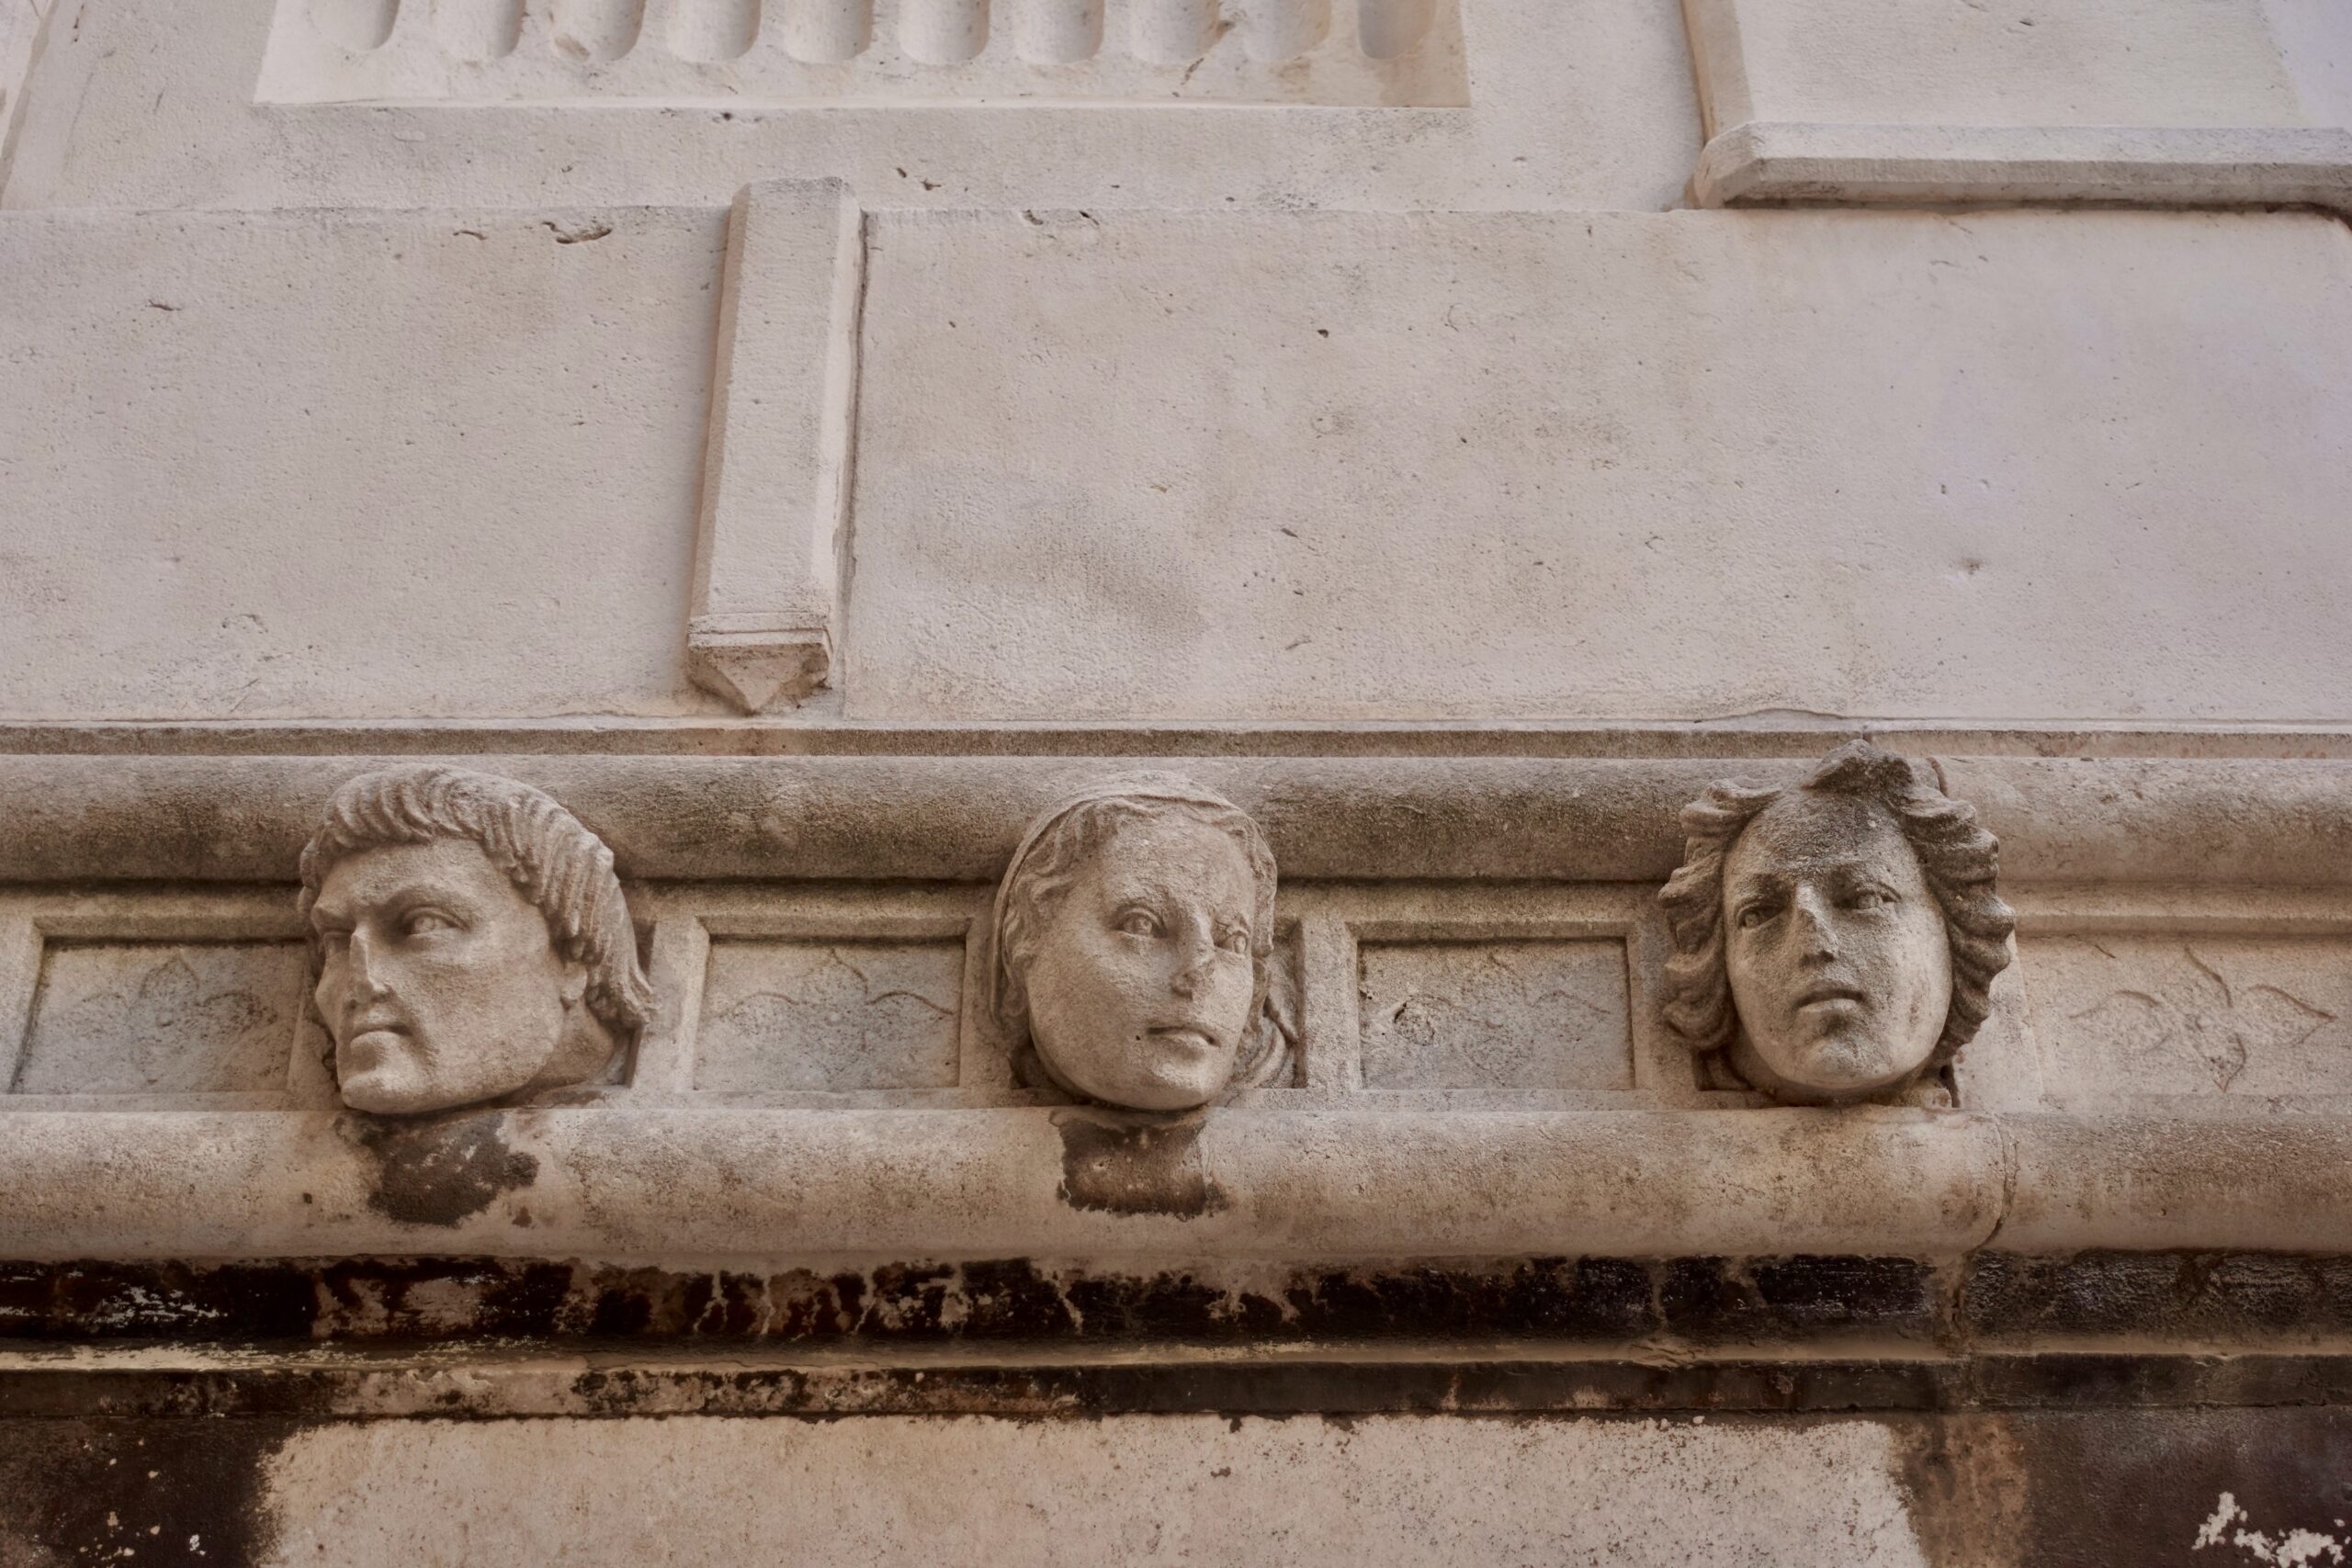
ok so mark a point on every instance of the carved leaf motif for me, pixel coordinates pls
(166, 1016)
(2197, 1016)
(838, 1001)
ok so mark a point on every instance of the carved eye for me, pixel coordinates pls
(1871, 898)
(1235, 939)
(420, 922)
(1140, 922)
(1754, 914)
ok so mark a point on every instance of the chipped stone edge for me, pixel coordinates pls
(1763, 162)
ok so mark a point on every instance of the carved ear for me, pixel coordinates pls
(575, 982)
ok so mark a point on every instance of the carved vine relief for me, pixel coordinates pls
(1834, 941)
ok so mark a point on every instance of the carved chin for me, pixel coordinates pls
(1844, 1062)
(382, 1093)
(1175, 1072)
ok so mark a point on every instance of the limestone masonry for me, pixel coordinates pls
(1305, 782)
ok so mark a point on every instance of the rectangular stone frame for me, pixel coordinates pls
(770, 554)
(28, 921)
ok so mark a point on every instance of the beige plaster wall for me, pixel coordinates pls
(351, 463)
(2007, 464)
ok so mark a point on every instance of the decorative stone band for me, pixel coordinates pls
(2242, 823)
(701, 51)
(744, 1189)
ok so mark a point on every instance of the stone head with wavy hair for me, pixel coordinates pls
(1837, 938)
(1133, 945)
(469, 940)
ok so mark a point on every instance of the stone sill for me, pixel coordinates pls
(715, 1189)
(1769, 161)
(340, 1386)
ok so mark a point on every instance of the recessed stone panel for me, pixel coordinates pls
(1539, 1016)
(2123, 1016)
(163, 1018)
(781, 1016)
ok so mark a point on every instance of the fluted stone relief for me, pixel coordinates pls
(1374, 53)
(1133, 945)
(469, 940)
(1837, 939)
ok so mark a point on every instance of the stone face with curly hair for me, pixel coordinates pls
(1836, 939)
(1133, 941)
(468, 942)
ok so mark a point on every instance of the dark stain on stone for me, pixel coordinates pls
(1136, 1166)
(1964, 1489)
(2251, 1303)
(2208, 1296)
(136, 1491)
(2137, 1489)
(1008, 1299)
(443, 1171)
(1959, 1472)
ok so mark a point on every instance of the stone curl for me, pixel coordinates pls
(1958, 856)
(552, 859)
(1043, 869)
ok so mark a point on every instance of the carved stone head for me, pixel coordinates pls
(1133, 945)
(1838, 938)
(469, 942)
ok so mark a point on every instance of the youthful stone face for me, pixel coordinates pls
(1140, 986)
(1839, 965)
(437, 979)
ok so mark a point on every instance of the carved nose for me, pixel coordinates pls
(1191, 964)
(365, 986)
(1816, 937)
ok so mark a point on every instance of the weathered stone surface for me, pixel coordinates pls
(1517, 1015)
(163, 1018)
(1673, 455)
(250, 508)
(1837, 941)
(2119, 1016)
(1132, 948)
(1576, 106)
(1400, 52)
(2128, 1486)
(2094, 63)
(470, 942)
(830, 1015)
(2220, 102)
(770, 1186)
(2131, 820)
(892, 1491)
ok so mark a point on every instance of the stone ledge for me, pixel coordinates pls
(70, 818)
(726, 1188)
(340, 1386)
(1765, 161)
